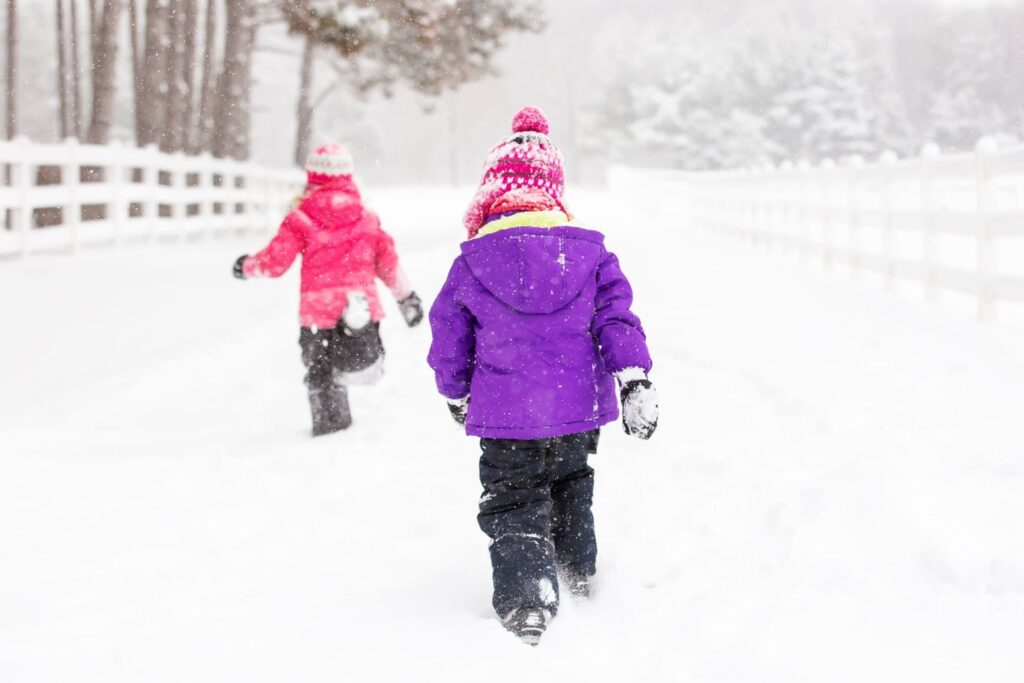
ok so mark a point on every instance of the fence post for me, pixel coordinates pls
(701, 204)
(827, 169)
(231, 195)
(929, 153)
(770, 204)
(116, 178)
(803, 171)
(177, 194)
(223, 171)
(752, 200)
(685, 213)
(70, 176)
(205, 191)
(985, 253)
(23, 215)
(853, 199)
(270, 197)
(785, 204)
(888, 160)
(151, 185)
(254, 211)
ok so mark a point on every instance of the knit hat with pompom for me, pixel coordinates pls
(526, 160)
(328, 163)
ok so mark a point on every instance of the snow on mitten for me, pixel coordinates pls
(412, 309)
(459, 407)
(357, 312)
(639, 404)
(238, 270)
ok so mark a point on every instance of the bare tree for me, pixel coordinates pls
(204, 126)
(11, 114)
(75, 80)
(432, 46)
(152, 85)
(163, 43)
(11, 99)
(62, 72)
(304, 115)
(188, 78)
(136, 57)
(104, 63)
(92, 25)
(174, 96)
(232, 117)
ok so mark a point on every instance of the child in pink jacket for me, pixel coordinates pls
(344, 251)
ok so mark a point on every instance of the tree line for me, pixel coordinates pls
(754, 83)
(190, 61)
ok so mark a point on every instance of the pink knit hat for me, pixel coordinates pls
(327, 163)
(527, 160)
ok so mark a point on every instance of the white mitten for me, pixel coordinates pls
(639, 403)
(357, 312)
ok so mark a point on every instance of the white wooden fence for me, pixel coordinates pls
(948, 222)
(69, 195)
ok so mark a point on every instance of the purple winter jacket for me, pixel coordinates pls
(531, 324)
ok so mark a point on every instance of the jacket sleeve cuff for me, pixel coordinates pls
(400, 288)
(630, 375)
(250, 267)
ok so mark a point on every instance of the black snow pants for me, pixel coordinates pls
(324, 351)
(536, 509)
(331, 357)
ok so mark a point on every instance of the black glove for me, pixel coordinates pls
(639, 408)
(459, 408)
(238, 270)
(412, 309)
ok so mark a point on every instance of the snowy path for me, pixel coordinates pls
(835, 493)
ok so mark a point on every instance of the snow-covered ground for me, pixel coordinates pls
(836, 491)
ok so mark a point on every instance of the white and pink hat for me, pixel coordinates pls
(527, 159)
(329, 162)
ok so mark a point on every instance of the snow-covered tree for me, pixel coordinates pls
(430, 45)
(807, 79)
(976, 96)
(822, 109)
(677, 101)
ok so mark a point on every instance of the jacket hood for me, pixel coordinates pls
(535, 270)
(338, 201)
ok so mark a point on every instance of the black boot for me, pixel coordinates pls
(330, 410)
(579, 585)
(527, 623)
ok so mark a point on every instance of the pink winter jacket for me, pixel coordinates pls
(343, 250)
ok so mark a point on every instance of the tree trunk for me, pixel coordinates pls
(174, 105)
(231, 135)
(62, 73)
(188, 78)
(133, 43)
(104, 63)
(92, 26)
(11, 103)
(205, 123)
(11, 114)
(76, 74)
(154, 78)
(304, 129)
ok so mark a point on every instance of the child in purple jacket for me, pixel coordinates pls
(530, 332)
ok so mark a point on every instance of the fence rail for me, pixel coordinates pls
(68, 195)
(948, 222)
